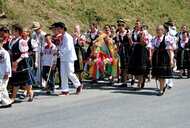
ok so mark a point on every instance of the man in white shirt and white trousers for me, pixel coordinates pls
(67, 58)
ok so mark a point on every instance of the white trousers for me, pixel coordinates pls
(169, 82)
(67, 71)
(4, 96)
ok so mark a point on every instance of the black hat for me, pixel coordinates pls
(61, 25)
(120, 21)
(52, 26)
(166, 27)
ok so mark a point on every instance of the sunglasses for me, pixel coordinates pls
(120, 25)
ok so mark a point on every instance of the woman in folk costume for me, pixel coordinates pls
(135, 38)
(183, 54)
(113, 48)
(93, 34)
(138, 62)
(20, 66)
(149, 38)
(124, 50)
(162, 57)
(184, 28)
(79, 41)
(38, 35)
(4, 32)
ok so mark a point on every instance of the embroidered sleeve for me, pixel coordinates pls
(34, 45)
(23, 47)
(8, 64)
(169, 41)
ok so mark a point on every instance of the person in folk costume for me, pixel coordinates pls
(114, 55)
(5, 73)
(38, 35)
(55, 37)
(138, 62)
(33, 55)
(4, 32)
(182, 54)
(98, 61)
(49, 59)
(79, 41)
(124, 50)
(67, 56)
(184, 28)
(107, 29)
(145, 28)
(20, 64)
(93, 34)
(135, 38)
(161, 56)
(171, 31)
(113, 32)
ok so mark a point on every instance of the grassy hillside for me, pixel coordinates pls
(152, 12)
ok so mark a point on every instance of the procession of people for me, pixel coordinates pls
(29, 60)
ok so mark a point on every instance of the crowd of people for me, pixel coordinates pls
(29, 59)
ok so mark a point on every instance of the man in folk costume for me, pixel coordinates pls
(67, 56)
(38, 35)
(5, 73)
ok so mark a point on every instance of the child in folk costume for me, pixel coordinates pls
(183, 54)
(49, 59)
(93, 34)
(33, 55)
(67, 56)
(79, 41)
(55, 37)
(124, 45)
(20, 66)
(162, 58)
(5, 73)
(4, 32)
(38, 35)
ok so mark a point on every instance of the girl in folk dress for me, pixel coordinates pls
(124, 44)
(79, 41)
(138, 62)
(20, 66)
(162, 57)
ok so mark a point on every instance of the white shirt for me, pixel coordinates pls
(39, 38)
(34, 45)
(5, 64)
(66, 48)
(155, 42)
(182, 43)
(48, 54)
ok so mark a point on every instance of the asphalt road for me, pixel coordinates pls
(103, 106)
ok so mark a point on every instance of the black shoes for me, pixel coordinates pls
(132, 82)
(6, 106)
(160, 94)
(122, 86)
(136, 89)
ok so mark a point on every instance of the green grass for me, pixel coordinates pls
(152, 12)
